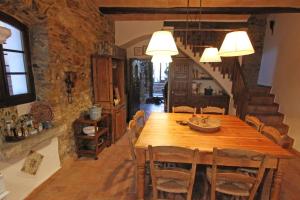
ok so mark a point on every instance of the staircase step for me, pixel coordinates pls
(262, 100)
(270, 119)
(263, 108)
(260, 89)
(282, 128)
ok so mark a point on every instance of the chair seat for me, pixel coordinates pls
(248, 170)
(232, 188)
(172, 185)
(228, 187)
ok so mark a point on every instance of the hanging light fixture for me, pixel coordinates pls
(162, 43)
(4, 34)
(210, 54)
(164, 59)
(236, 43)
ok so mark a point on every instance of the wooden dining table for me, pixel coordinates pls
(164, 129)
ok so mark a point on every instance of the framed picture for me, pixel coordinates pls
(32, 163)
(138, 51)
(144, 49)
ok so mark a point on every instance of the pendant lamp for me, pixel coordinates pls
(210, 54)
(162, 43)
(4, 34)
(236, 43)
(164, 59)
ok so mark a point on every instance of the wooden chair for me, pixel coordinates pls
(174, 180)
(132, 137)
(140, 119)
(184, 109)
(236, 183)
(274, 135)
(254, 122)
(212, 110)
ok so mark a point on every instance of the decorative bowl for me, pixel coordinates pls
(204, 124)
(89, 130)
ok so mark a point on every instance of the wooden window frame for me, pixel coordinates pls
(6, 99)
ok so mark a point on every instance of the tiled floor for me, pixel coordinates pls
(111, 177)
(148, 108)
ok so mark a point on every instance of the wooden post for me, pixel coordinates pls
(140, 179)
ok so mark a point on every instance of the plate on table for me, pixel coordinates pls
(89, 130)
(204, 124)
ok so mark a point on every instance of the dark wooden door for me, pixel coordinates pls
(179, 78)
(102, 80)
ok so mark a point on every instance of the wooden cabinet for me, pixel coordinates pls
(109, 91)
(95, 143)
(186, 86)
(120, 125)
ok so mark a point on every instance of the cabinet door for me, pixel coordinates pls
(102, 79)
(120, 123)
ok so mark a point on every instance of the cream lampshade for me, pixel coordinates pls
(161, 59)
(4, 34)
(236, 43)
(210, 54)
(162, 43)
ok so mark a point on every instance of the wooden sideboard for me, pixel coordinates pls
(109, 85)
(183, 83)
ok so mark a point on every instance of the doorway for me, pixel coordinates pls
(146, 86)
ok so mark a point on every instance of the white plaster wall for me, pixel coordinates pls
(126, 31)
(130, 50)
(281, 68)
(269, 58)
(21, 184)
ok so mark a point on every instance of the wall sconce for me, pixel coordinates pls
(70, 78)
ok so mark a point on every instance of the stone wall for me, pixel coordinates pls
(63, 35)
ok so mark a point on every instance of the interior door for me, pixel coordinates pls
(179, 78)
(133, 81)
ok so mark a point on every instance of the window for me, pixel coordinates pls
(16, 78)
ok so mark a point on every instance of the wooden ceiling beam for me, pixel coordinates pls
(209, 30)
(206, 25)
(162, 17)
(196, 10)
(195, 3)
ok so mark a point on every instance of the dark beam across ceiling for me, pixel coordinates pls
(194, 10)
(206, 25)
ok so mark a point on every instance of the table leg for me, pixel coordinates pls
(277, 181)
(140, 179)
(266, 190)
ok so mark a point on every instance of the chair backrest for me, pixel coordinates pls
(254, 122)
(257, 160)
(273, 134)
(184, 109)
(173, 154)
(212, 110)
(140, 119)
(132, 137)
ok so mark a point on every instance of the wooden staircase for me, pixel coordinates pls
(257, 100)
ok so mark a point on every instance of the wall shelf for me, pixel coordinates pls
(17, 150)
